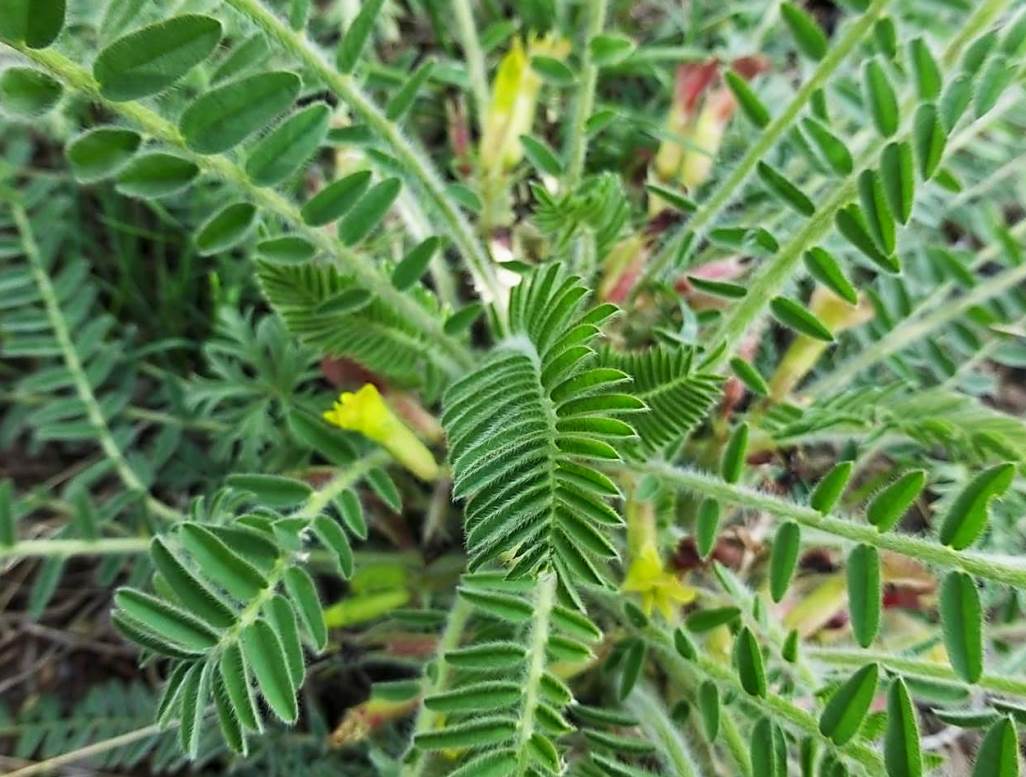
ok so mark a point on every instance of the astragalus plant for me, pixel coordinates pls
(589, 387)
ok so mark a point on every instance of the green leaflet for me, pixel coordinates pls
(749, 664)
(673, 197)
(811, 40)
(733, 461)
(164, 621)
(897, 171)
(498, 605)
(929, 138)
(553, 70)
(957, 95)
(287, 249)
(151, 59)
(101, 152)
(967, 517)
(303, 593)
(351, 511)
(706, 525)
(463, 319)
(243, 57)
(926, 70)
(708, 619)
(231, 726)
(876, 210)
(235, 680)
(888, 506)
(718, 288)
(610, 49)
(334, 539)
(833, 150)
(851, 223)
(368, 211)
(902, 754)
(789, 650)
(402, 100)
(541, 155)
(226, 228)
(156, 175)
(998, 753)
(487, 656)
(265, 656)
(749, 375)
(752, 107)
(283, 152)
(272, 490)
(486, 696)
(631, 665)
(282, 619)
(828, 491)
(27, 92)
(7, 531)
(822, 266)
(786, 191)
(356, 36)
(847, 707)
(226, 115)
(865, 591)
(683, 645)
(415, 263)
(996, 77)
(793, 315)
(495, 763)
(962, 624)
(709, 706)
(335, 199)
(784, 558)
(196, 597)
(36, 23)
(192, 701)
(222, 564)
(885, 35)
(475, 733)
(880, 98)
(768, 753)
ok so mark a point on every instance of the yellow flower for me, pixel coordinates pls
(366, 412)
(514, 99)
(658, 588)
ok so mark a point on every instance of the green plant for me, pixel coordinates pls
(668, 443)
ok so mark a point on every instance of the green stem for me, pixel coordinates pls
(774, 274)
(312, 507)
(658, 727)
(982, 565)
(474, 57)
(81, 381)
(451, 356)
(98, 748)
(110, 546)
(544, 601)
(857, 658)
(782, 123)
(412, 158)
(437, 682)
(777, 707)
(585, 105)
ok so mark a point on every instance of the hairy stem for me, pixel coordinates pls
(81, 381)
(97, 748)
(729, 186)
(982, 565)
(544, 601)
(648, 708)
(474, 57)
(450, 355)
(585, 105)
(412, 158)
(110, 546)
(856, 658)
(437, 682)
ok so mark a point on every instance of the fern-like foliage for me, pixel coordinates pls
(329, 311)
(936, 417)
(218, 614)
(523, 429)
(678, 395)
(599, 205)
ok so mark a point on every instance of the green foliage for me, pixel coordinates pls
(313, 255)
